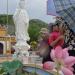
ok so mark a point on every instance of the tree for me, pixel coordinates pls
(34, 27)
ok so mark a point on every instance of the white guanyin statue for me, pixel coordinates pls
(21, 21)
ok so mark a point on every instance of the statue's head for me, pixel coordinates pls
(22, 4)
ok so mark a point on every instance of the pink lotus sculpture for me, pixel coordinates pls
(62, 62)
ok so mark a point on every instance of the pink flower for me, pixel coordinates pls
(62, 61)
(48, 65)
(70, 60)
(66, 71)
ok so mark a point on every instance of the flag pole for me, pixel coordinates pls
(7, 14)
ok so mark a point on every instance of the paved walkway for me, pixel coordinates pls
(2, 59)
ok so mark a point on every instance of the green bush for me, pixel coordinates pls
(13, 68)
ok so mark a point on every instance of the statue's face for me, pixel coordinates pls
(22, 4)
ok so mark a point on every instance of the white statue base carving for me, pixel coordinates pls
(21, 53)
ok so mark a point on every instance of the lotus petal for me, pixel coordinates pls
(69, 61)
(66, 71)
(48, 65)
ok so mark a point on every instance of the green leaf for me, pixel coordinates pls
(11, 66)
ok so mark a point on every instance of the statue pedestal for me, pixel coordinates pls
(22, 45)
(21, 51)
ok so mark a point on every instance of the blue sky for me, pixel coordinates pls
(37, 9)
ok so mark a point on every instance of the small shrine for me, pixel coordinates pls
(6, 41)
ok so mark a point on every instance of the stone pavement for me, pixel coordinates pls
(2, 59)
